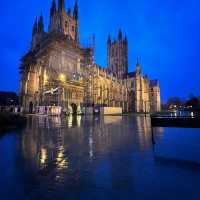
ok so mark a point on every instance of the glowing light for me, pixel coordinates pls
(79, 110)
(70, 121)
(79, 120)
(62, 77)
(43, 156)
(55, 110)
(62, 162)
(46, 78)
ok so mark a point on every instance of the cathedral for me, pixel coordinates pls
(58, 72)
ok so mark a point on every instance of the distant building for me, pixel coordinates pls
(58, 71)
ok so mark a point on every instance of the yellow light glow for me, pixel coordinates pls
(70, 121)
(43, 156)
(62, 161)
(62, 77)
(46, 78)
(79, 120)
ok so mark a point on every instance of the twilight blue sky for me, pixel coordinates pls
(164, 34)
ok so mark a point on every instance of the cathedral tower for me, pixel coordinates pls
(118, 56)
(61, 6)
(64, 22)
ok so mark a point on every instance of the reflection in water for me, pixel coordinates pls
(43, 156)
(80, 157)
(74, 121)
(62, 162)
(70, 121)
(144, 130)
(53, 138)
(79, 121)
(61, 143)
(91, 145)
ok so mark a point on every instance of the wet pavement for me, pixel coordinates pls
(88, 158)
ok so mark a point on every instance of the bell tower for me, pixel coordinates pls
(118, 56)
(64, 22)
(61, 6)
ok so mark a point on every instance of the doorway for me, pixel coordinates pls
(31, 107)
(74, 109)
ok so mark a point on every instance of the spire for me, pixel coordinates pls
(120, 34)
(138, 67)
(61, 5)
(35, 27)
(75, 13)
(41, 24)
(53, 8)
(109, 39)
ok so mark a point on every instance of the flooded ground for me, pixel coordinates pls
(99, 158)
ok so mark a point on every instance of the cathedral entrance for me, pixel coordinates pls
(74, 108)
(31, 107)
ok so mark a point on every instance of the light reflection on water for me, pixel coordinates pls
(96, 158)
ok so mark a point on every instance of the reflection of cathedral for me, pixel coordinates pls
(58, 71)
(49, 137)
(68, 152)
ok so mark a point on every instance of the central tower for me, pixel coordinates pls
(61, 5)
(118, 56)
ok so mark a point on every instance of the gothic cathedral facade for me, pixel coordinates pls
(58, 71)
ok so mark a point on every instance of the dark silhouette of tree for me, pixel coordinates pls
(194, 102)
(174, 102)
